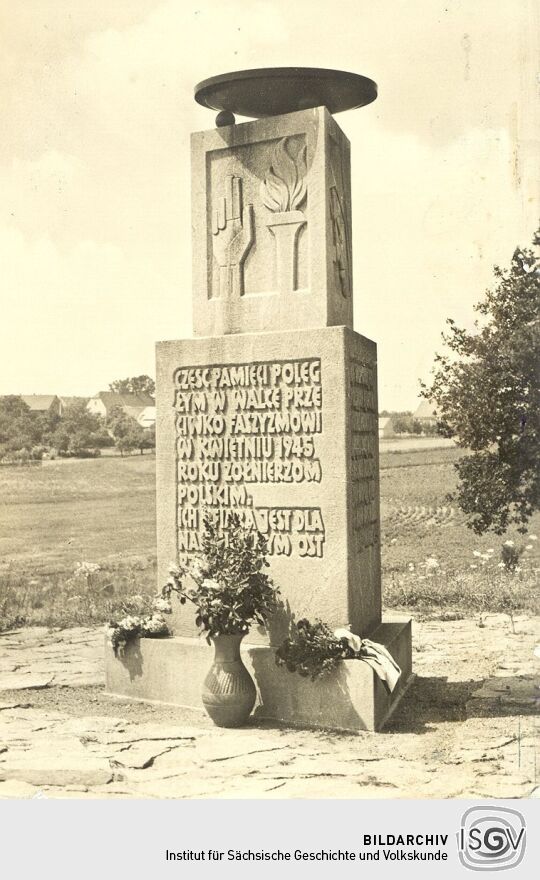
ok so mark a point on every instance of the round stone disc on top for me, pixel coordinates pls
(272, 91)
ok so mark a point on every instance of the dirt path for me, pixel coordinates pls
(467, 728)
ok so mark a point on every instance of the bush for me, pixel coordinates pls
(38, 452)
(80, 452)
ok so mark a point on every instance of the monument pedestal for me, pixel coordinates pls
(282, 429)
(171, 671)
(269, 416)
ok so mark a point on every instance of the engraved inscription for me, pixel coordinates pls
(364, 464)
(240, 427)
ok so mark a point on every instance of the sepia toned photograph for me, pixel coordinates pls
(269, 400)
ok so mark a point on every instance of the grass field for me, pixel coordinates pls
(77, 542)
(418, 521)
(431, 559)
(68, 512)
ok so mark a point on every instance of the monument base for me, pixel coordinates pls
(171, 671)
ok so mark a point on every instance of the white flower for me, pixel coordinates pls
(508, 544)
(195, 567)
(431, 563)
(533, 537)
(474, 566)
(501, 565)
(517, 569)
(354, 642)
(411, 566)
(476, 553)
(211, 584)
(529, 547)
(155, 624)
(86, 568)
(491, 550)
(393, 541)
(160, 604)
(129, 622)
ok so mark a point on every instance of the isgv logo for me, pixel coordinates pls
(491, 838)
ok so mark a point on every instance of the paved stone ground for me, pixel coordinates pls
(468, 727)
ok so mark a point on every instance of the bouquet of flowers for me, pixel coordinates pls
(230, 589)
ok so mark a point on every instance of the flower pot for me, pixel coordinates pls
(228, 693)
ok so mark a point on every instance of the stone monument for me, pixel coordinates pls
(271, 411)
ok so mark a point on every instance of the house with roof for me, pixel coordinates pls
(43, 404)
(426, 414)
(134, 405)
(386, 427)
(72, 401)
(147, 418)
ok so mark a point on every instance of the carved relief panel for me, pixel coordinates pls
(271, 225)
(254, 218)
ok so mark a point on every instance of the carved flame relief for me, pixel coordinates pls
(284, 187)
(282, 192)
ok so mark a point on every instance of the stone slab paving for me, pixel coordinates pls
(467, 728)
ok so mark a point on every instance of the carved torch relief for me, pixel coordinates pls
(283, 191)
(232, 237)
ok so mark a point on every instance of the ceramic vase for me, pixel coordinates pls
(228, 693)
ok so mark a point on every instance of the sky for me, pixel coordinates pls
(97, 107)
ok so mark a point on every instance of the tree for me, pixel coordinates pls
(80, 431)
(134, 385)
(150, 434)
(128, 434)
(487, 396)
(46, 424)
(389, 413)
(132, 439)
(119, 423)
(18, 429)
(407, 425)
(430, 429)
